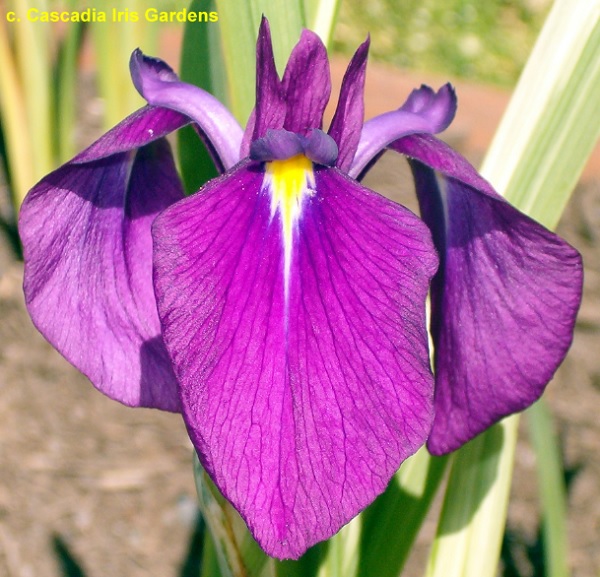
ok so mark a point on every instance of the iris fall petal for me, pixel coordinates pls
(87, 248)
(301, 402)
(503, 303)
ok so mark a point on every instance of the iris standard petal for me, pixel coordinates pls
(87, 248)
(347, 122)
(306, 84)
(503, 303)
(270, 99)
(160, 86)
(304, 390)
(271, 108)
(425, 111)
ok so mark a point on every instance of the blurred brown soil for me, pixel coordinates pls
(88, 485)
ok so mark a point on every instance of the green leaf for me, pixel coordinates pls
(65, 95)
(210, 561)
(202, 62)
(239, 22)
(472, 519)
(551, 124)
(14, 117)
(343, 553)
(34, 65)
(321, 16)
(307, 566)
(392, 522)
(114, 41)
(237, 553)
(550, 473)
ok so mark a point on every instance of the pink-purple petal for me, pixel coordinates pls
(347, 122)
(160, 86)
(270, 98)
(503, 303)
(300, 412)
(306, 84)
(425, 111)
(87, 249)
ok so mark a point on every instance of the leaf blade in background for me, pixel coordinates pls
(34, 62)
(343, 552)
(113, 42)
(552, 491)
(13, 113)
(321, 16)
(238, 22)
(65, 95)
(556, 97)
(237, 553)
(392, 522)
(475, 494)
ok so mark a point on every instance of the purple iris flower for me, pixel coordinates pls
(281, 309)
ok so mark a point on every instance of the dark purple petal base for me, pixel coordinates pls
(281, 144)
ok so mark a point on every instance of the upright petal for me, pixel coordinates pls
(425, 111)
(304, 390)
(270, 109)
(270, 99)
(160, 86)
(306, 84)
(87, 248)
(347, 122)
(503, 303)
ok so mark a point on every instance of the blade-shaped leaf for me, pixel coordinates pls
(551, 124)
(13, 113)
(238, 22)
(321, 16)
(66, 88)
(33, 59)
(237, 554)
(552, 491)
(392, 522)
(475, 505)
(343, 553)
(307, 566)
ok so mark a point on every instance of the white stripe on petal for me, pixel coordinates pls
(289, 182)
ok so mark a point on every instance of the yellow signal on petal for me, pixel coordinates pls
(289, 182)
